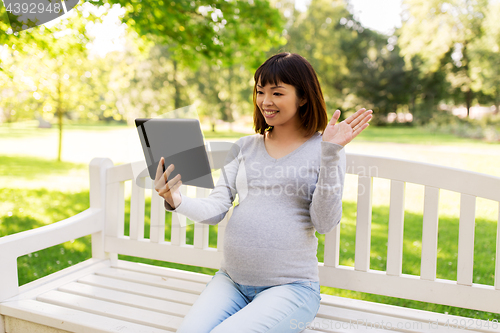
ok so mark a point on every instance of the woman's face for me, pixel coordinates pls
(278, 103)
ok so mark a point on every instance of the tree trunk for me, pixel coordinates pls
(465, 61)
(59, 113)
(497, 104)
(413, 106)
(468, 101)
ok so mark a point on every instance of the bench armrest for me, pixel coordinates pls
(88, 222)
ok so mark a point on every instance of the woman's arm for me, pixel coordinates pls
(326, 206)
(212, 209)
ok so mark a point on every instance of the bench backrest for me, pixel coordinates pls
(392, 282)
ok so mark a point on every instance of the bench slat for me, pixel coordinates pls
(411, 315)
(311, 331)
(358, 319)
(120, 173)
(152, 280)
(52, 281)
(137, 209)
(430, 234)
(472, 183)
(497, 262)
(187, 254)
(339, 326)
(465, 264)
(336, 326)
(124, 298)
(163, 271)
(157, 226)
(112, 310)
(69, 319)
(115, 209)
(479, 297)
(140, 289)
(201, 230)
(364, 320)
(178, 227)
(332, 247)
(396, 228)
(363, 224)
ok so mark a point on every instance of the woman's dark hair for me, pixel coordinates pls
(295, 70)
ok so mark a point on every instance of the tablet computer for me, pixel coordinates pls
(180, 142)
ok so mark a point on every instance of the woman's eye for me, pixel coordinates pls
(275, 94)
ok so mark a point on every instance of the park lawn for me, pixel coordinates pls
(31, 196)
(421, 135)
(400, 134)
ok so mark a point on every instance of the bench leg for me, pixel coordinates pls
(2, 324)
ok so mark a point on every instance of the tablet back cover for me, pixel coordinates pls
(180, 142)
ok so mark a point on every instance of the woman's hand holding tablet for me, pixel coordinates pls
(168, 189)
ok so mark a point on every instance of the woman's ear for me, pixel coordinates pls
(302, 102)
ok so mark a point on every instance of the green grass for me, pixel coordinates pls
(29, 129)
(29, 168)
(35, 192)
(400, 134)
(25, 209)
(416, 135)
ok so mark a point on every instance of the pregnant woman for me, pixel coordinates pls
(289, 178)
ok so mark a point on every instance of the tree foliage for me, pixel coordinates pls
(441, 34)
(485, 58)
(218, 30)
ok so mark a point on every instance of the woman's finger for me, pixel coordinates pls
(159, 169)
(355, 115)
(168, 171)
(160, 183)
(163, 180)
(170, 190)
(362, 119)
(359, 130)
(335, 117)
(170, 185)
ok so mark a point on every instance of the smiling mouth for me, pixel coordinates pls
(269, 113)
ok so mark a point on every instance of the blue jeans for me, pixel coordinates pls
(226, 306)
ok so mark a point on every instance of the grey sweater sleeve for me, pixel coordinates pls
(326, 205)
(212, 209)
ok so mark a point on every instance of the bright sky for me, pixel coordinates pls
(380, 15)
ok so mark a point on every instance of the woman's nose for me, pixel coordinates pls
(267, 100)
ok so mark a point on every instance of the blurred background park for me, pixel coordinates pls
(70, 90)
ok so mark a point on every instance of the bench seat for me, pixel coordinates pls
(97, 296)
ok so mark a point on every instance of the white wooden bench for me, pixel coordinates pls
(104, 294)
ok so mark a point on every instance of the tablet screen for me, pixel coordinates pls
(180, 142)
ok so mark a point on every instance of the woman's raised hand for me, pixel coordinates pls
(168, 190)
(345, 131)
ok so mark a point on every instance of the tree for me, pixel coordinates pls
(485, 57)
(54, 72)
(198, 34)
(212, 29)
(441, 33)
(356, 66)
(327, 36)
